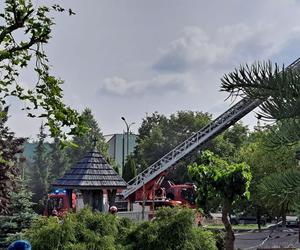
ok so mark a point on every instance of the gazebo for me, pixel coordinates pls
(95, 179)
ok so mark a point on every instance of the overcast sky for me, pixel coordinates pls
(132, 57)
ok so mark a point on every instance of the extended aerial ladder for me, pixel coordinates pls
(220, 124)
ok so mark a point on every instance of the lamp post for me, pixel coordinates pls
(127, 132)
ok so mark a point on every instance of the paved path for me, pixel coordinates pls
(267, 238)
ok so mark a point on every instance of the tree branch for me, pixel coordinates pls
(18, 24)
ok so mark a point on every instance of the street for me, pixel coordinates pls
(267, 238)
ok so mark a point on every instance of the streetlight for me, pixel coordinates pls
(128, 130)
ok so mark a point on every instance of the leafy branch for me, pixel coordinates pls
(45, 99)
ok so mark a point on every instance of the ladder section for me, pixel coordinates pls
(221, 123)
(216, 127)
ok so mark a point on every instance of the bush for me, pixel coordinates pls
(172, 229)
(84, 230)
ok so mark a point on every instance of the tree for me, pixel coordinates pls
(58, 160)
(173, 228)
(10, 147)
(257, 151)
(24, 31)
(129, 170)
(279, 192)
(21, 214)
(228, 144)
(159, 134)
(278, 89)
(85, 143)
(40, 172)
(229, 182)
(144, 132)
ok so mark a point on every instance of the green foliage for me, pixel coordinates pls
(264, 160)
(85, 143)
(21, 216)
(40, 172)
(171, 229)
(279, 192)
(25, 29)
(85, 230)
(129, 170)
(278, 88)
(10, 147)
(214, 175)
(159, 134)
(59, 161)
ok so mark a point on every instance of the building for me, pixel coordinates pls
(117, 147)
(94, 180)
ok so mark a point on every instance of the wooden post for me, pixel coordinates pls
(69, 197)
(143, 204)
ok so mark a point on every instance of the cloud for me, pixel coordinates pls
(197, 55)
(228, 45)
(158, 85)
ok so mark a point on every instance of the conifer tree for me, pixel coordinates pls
(278, 88)
(21, 215)
(39, 171)
(58, 160)
(10, 146)
(129, 170)
(86, 142)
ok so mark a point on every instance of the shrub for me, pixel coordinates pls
(173, 228)
(84, 230)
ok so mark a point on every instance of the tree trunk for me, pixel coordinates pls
(284, 212)
(229, 238)
(258, 218)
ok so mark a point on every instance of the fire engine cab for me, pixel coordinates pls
(57, 203)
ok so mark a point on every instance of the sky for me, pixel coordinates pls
(134, 57)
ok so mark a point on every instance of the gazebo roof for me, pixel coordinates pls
(91, 172)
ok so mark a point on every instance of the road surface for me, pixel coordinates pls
(267, 238)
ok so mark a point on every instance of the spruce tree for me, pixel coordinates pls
(21, 215)
(39, 172)
(86, 142)
(58, 160)
(10, 146)
(129, 170)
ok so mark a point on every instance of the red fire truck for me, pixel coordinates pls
(160, 192)
(57, 203)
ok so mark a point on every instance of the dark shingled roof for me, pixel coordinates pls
(92, 172)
